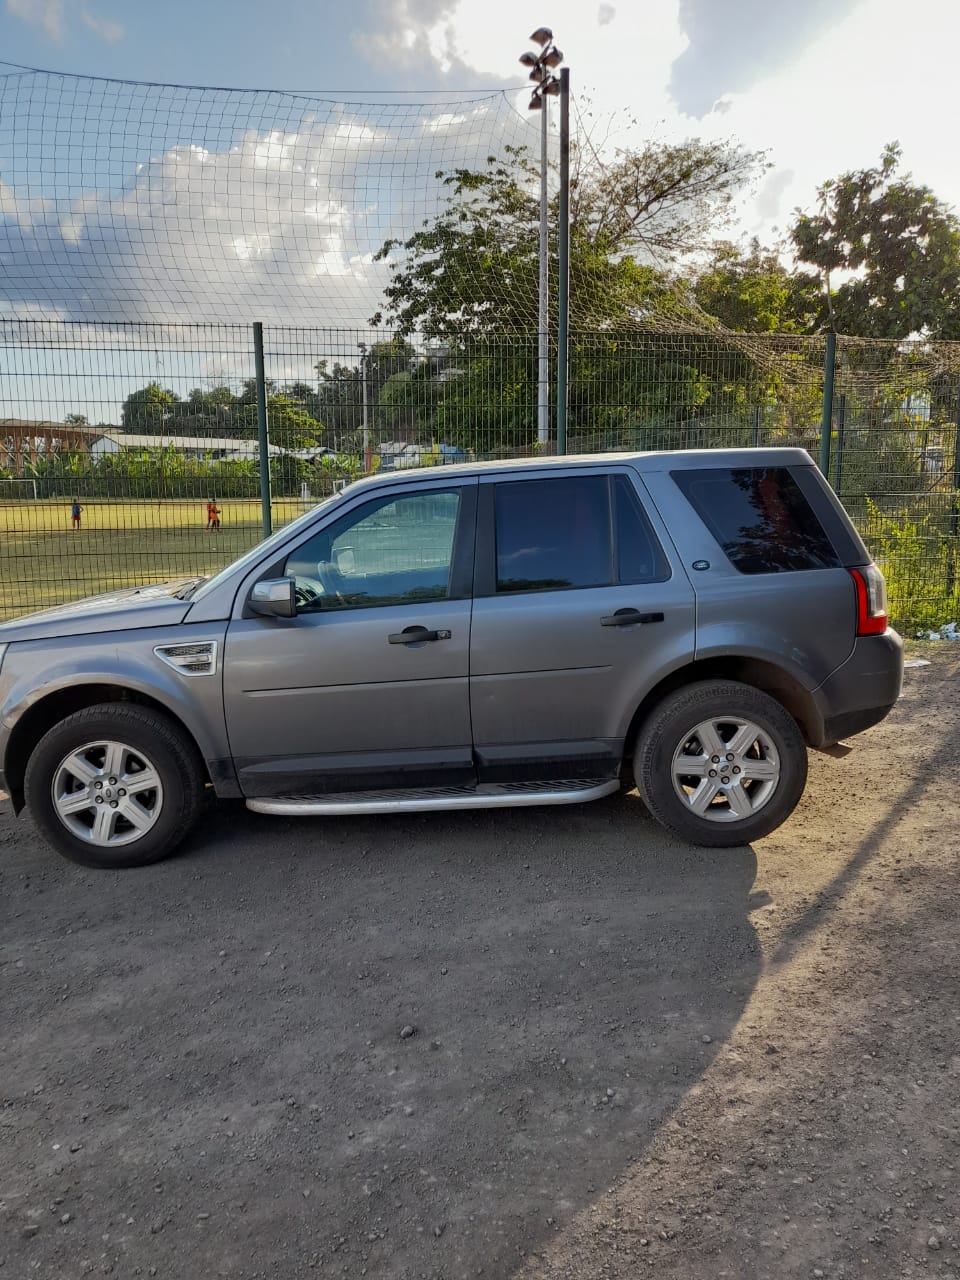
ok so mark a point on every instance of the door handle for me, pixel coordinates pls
(416, 635)
(629, 618)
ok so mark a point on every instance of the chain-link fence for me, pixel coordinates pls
(148, 428)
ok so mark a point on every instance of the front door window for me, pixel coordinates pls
(396, 550)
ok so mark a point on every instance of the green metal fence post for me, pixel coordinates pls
(841, 423)
(954, 556)
(262, 434)
(563, 261)
(826, 421)
(756, 427)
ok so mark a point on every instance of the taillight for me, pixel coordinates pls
(871, 600)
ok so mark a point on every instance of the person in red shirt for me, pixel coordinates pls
(213, 515)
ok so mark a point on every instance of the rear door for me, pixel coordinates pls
(578, 610)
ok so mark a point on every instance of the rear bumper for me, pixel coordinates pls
(862, 691)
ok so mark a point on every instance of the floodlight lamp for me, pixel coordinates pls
(536, 102)
(536, 75)
(528, 60)
(542, 36)
(553, 58)
(552, 87)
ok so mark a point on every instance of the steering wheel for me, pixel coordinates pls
(307, 592)
(330, 580)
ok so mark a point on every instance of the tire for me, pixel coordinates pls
(703, 729)
(89, 757)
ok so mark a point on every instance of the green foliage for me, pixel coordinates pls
(473, 271)
(751, 291)
(902, 243)
(145, 412)
(919, 563)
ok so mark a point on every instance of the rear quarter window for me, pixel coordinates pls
(760, 518)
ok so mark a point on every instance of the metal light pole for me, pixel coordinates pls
(542, 65)
(563, 261)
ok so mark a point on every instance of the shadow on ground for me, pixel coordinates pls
(205, 1063)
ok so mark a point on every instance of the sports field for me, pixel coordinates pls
(120, 543)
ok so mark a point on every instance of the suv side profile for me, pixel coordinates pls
(484, 635)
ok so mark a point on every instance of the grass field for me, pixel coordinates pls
(44, 562)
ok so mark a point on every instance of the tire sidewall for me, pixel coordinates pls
(161, 743)
(675, 719)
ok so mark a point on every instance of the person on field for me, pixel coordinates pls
(75, 511)
(213, 515)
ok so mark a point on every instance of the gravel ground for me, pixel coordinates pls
(552, 1043)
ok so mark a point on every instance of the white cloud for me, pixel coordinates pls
(882, 72)
(281, 226)
(108, 31)
(44, 13)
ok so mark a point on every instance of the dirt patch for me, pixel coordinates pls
(627, 1055)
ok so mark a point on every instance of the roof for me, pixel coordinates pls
(661, 460)
(205, 444)
(26, 425)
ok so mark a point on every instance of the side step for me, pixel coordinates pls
(486, 796)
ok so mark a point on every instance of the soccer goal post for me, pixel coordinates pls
(18, 490)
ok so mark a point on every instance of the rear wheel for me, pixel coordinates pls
(115, 785)
(720, 763)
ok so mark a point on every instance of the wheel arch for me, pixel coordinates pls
(60, 703)
(795, 699)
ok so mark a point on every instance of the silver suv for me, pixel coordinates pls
(513, 633)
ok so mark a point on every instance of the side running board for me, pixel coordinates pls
(488, 796)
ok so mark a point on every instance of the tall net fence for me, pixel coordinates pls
(144, 228)
(139, 202)
(145, 425)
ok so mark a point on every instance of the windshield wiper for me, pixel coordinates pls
(188, 588)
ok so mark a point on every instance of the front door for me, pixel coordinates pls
(367, 687)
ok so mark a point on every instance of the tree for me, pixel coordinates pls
(75, 420)
(289, 425)
(751, 290)
(205, 412)
(473, 270)
(339, 402)
(902, 243)
(146, 411)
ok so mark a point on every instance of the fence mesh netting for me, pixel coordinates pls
(143, 228)
(143, 202)
(143, 424)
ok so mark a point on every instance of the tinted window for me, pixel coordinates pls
(395, 551)
(553, 534)
(640, 557)
(760, 518)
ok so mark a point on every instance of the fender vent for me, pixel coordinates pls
(199, 659)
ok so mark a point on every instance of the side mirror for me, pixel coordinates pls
(273, 598)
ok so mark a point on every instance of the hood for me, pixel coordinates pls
(126, 609)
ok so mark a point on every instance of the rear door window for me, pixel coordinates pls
(760, 518)
(553, 534)
(573, 531)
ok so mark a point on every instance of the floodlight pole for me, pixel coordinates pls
(543, 322)
(541, 73)
(563, 261)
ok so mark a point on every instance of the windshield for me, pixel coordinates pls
(279, 535)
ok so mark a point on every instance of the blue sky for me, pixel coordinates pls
(142, 204)
(821, 84)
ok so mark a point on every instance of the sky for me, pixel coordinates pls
(109, 210)
(823, 84)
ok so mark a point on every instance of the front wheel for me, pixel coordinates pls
(115, 785)
(720, 763)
